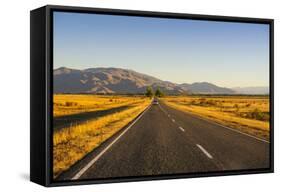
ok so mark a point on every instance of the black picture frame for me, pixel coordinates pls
(41, 61)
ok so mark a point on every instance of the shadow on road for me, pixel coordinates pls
(67, 121)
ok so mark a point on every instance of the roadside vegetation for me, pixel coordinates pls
(249, 114)
(69, 104)
(72, 143)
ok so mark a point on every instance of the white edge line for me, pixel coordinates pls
(230, 128)
(84, 169)
(234, 130)
(204, 151)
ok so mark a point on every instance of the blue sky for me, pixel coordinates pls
(181, 51)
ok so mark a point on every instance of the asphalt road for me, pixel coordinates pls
(166, 141)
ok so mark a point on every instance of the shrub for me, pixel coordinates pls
(193, 102)
(259, 115)
(69, 103)
(202, 101)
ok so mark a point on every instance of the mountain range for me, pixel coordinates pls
(125, 81)
(252, 90)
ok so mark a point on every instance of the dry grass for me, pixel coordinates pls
(249, 114)
(68, 104)
(73, 143)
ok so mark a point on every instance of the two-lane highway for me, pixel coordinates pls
(165, 141)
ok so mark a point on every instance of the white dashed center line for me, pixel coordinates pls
(205, 151)
(182, 129)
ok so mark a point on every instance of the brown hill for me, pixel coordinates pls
(122, 81)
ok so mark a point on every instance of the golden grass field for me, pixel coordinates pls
(68, 104)
(70, 144)
(249, 114)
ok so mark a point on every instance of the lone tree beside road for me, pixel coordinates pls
(149, 92)
(159, 93)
